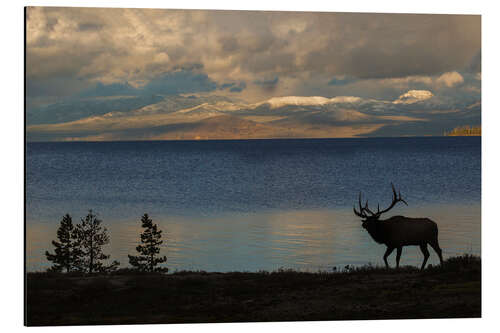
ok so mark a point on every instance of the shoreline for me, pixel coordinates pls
(257, 139)
(127, 297)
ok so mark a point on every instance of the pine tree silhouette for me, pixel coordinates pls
(65, 256)
(91, 236)
(149, 248)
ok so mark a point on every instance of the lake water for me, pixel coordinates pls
(252, 205)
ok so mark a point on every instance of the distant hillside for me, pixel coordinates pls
(231, 127)
(219, 117)
(464, 131)
(218, 127)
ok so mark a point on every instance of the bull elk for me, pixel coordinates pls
(399, 231)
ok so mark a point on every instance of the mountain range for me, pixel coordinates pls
(192, 117)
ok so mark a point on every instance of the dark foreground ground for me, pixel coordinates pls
(451, 291)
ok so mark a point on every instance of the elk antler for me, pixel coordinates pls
(396, 197)
(362, 209)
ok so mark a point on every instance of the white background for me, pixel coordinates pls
(12, 175)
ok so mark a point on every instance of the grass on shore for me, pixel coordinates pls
(368, 292)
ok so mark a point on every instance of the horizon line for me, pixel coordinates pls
(257, 139)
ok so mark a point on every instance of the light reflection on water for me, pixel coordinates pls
(300, 239)
(254, 204)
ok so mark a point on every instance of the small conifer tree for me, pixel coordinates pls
(148, 260)
(91, 236)
(65, 255)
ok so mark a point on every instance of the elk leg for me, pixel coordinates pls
(423, 248)
(398, 255)
(435, 246)
(386, 254)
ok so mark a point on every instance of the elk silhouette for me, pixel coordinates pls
(399, 231)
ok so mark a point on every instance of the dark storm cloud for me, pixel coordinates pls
(54, 87)
(267, 83)
(389, 46)
(234, 86)
(137, 45)
(89, 26)
(97, 52)
(229, 44)
(179, 82)
(341, 81)
(170, 83)
(239, 87)
(226, 85)
(475, 64)
(113, 89)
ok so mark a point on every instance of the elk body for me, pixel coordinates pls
(399, 231)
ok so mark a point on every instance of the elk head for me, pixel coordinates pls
(369, 216)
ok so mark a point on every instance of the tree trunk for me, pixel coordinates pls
(91, 266)
(152, 254)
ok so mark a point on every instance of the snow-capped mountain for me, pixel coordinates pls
(286, 116)
(277, 102)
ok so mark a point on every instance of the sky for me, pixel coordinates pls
(117, 74)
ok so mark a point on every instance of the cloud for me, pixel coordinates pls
(413, 96)
(113, 89)
(475, 64)
(233, 86)
(55, 87)
(341, 81)
(267, 84)
(114, 45)
(450, 79)
(89, 26)
(178, 82)
(239, 87)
